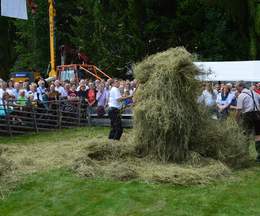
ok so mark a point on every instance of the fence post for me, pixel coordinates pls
(59, 114)
(34, 120)
(7, 116)
(79, 113)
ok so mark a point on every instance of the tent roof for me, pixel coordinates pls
(248, 71)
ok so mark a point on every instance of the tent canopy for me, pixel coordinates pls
(248, 71)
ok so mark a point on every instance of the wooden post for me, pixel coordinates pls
(35, 121)
(59, 114)
(79, 113)
(7, 117)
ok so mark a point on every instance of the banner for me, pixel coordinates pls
(14, 8)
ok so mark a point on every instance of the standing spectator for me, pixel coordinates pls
(67, 88)
(91, 97)
(257, 88)
(247, 109)
(208, 97)
(101, 99)
(82, 94)
(16, 90)
(32, 95)
(81, 83)
(72, 93)
(2, 90)
(224, 100)
(60, 89)
(22, 100)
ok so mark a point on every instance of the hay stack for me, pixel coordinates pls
(168, 122)
(166, 110)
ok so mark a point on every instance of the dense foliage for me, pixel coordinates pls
(116, 33)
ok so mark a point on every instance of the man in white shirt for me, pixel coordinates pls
(114, 103)
(247, 109)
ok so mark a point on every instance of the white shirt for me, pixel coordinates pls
(62, 91)
(224, 102)
(114, 95)
(207, 98)
(78, 88)
(1, 93)
(245, 101)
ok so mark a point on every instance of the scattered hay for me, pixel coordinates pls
(5, 166)
(198, 170)
(109, 150)
(86, 167)
(122, 171)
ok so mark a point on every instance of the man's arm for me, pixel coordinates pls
(238, 114)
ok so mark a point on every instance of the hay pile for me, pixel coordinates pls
(117, 165)
(168, 121)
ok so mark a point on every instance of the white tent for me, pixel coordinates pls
(14, 8)
(248, 71)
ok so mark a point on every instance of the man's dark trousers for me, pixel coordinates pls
(116, 124)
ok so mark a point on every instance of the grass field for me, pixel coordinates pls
(54, 190)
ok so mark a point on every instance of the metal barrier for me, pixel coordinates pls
(50, 115)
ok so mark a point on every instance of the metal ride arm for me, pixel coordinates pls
(90, 72)
(53, 72)
(103, 73)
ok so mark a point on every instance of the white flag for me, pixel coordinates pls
(14, 8)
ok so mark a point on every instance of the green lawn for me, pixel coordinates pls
(65, 134)
(60, 193)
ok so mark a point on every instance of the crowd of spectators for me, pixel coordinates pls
(220, 99)
(94, 94)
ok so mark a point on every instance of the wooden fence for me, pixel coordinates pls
(51, 115)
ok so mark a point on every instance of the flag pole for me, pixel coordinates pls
(53, 72)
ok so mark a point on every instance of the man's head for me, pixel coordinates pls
(116, 83)
(57, 83)
(240, 85)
